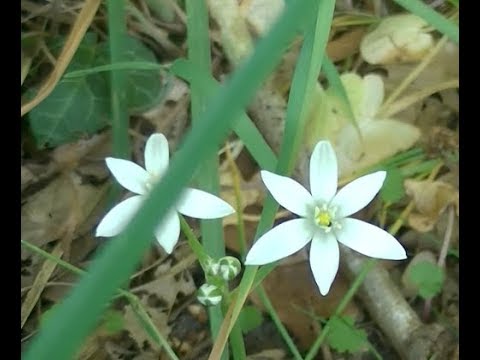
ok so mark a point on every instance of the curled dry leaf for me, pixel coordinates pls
(431, 199)
(381, 137)
(397, 39)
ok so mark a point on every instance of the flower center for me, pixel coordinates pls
(324, 217)
(151, 182)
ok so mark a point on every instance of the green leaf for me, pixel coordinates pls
(392, 189)
(344, 336)
(81, 105)
(75, 107)
(428, 277)
(249, 318)
(144, 87)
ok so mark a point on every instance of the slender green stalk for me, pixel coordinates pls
(278, 323)
(207, 177)
(438, 21)
(242, 126)
(117, 260)
(124, 65)
(241, 242)
(117, 30)
(193, 242)
(55, 259)
(335, 83)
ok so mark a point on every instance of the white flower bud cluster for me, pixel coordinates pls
(224, 269)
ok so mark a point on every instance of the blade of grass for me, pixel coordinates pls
(305, 75)
(198, 43)
(124, 65)
(333, 77)
(80, 311)
(117, 29)
(243, 126)
(278, 323)
(438, 21)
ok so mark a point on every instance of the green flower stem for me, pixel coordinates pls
(194, 244)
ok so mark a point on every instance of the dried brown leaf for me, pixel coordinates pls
(431, 198)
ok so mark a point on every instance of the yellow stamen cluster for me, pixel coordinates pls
(323, 218)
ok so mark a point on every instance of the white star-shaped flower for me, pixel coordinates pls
(192, 202)
(324, 218)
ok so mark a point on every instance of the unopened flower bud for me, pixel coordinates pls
(211, 267)
(229, 267)
(209, 295)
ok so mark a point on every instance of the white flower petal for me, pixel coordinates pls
(288, 193)
(156, 154)
(202, 205)
(323, 172)
(369, 240)
(358, 194)
(281, 241)
(119, 216)
(131, 176)
(324, 260)
(168, 231)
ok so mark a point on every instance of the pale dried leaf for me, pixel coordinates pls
(138, 333)
(397, 39)
(46, 213)
(431, 198)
